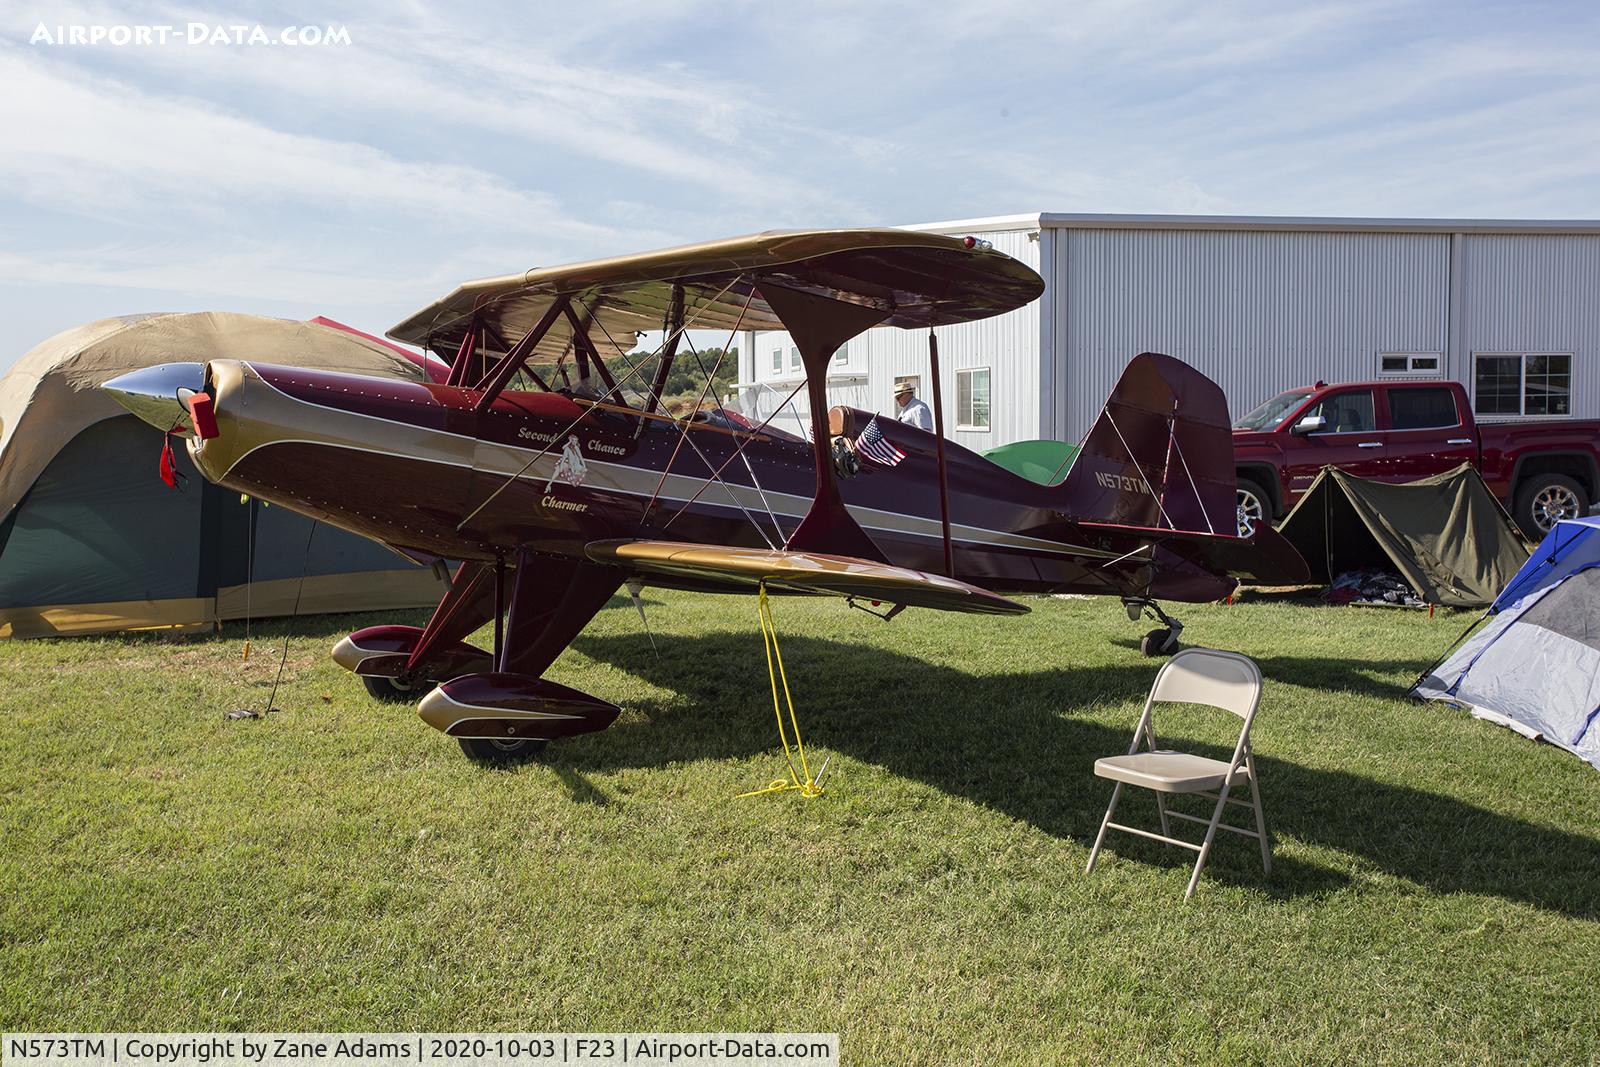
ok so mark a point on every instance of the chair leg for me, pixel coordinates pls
(1205, 846)
(1161, 809)
(1094, 853)
(1261, 818)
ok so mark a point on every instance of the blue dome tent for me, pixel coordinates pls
(1536, 666)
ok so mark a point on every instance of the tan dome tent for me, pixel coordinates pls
(92, 540)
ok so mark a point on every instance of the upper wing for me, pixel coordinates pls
(920, 279)
(742, 569)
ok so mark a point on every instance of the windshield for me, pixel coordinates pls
(1271, 414)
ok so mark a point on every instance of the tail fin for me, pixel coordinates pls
(1160, 455)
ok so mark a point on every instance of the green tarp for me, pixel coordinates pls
(1045, 462)
(1447, 536)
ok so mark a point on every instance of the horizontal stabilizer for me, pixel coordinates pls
(743, 569)
(1264, 558)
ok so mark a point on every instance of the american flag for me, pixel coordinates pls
(875, 447)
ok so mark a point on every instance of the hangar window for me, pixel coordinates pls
(794, 360)
(777, 360)
(972, 399)
(1420, 364)
(1522, 383)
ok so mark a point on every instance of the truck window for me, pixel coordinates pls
(1422, 409)
(1270, 416)
(1347, 412)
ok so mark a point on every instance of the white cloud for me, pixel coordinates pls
(412, 75)
(255, 273)
(93, 144)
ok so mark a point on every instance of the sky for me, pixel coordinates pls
(363, 180)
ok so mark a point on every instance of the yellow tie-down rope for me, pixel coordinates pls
(800, 779)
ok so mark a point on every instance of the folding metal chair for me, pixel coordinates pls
(1216, 679)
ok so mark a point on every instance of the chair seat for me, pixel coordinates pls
(1167, 772)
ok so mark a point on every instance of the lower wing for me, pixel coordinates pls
(744, 569)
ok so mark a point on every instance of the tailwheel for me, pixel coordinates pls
(1162, 642)
(394, 690)
(1159, 642)
(501, 752)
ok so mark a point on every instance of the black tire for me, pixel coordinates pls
(393, 690)
(493, 752)
(1160, 642)
(1261, 510)
(1544, 499)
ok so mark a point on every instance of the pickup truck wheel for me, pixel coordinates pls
(1253, 507)
(1545, 500)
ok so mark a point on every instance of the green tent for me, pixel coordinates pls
(1447, 536)
(1045, 462)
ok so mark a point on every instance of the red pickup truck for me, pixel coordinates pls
(1397, 431)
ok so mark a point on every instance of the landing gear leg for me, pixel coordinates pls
(1162, 641)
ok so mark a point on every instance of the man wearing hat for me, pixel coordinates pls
(912, 411)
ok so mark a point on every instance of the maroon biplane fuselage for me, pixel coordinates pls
(428, 492)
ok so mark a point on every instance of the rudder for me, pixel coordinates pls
(1160, 454)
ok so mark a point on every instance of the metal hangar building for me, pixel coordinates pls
(1511, 309)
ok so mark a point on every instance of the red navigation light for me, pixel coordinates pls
(970, 241)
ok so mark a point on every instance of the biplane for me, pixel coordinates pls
(548, 466)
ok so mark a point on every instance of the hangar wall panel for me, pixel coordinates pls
(1534, 293)
(1257, 311)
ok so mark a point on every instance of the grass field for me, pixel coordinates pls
(338, 865)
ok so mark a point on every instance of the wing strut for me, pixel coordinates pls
(672, 328)
(819, 326)
(938, 446)
(465, 354)
(495, 381)
(586, 352)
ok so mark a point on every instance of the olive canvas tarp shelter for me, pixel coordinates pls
(1447, 536)
(91, 538)
(1536, 666)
